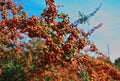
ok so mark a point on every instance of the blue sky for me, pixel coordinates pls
(109, 15)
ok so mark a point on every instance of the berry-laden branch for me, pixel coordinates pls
(55, 50)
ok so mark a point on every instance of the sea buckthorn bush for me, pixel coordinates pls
(55, 48)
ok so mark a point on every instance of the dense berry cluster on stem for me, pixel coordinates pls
(54, 51)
